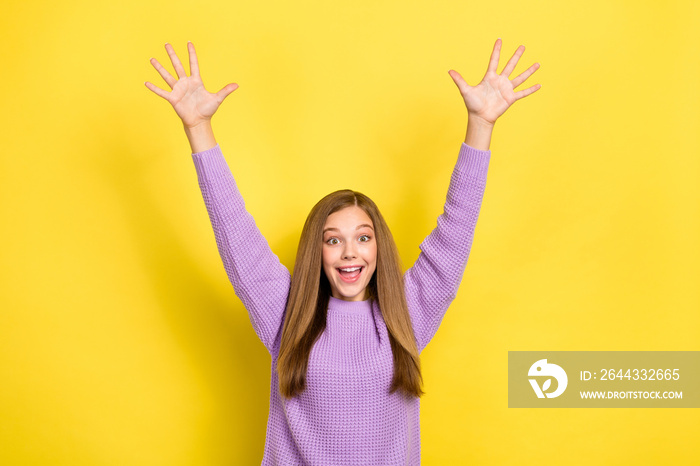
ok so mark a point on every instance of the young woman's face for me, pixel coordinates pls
(349, 253)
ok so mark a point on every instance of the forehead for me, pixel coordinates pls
(349, 217)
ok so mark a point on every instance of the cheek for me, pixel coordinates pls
(372, 254)
(328, 258)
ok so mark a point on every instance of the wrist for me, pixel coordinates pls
(479, 122)
(479, 133)
(199, 128)
(200, 136)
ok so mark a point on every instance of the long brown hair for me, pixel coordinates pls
(310, 292)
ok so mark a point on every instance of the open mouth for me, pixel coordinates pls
(350, 274)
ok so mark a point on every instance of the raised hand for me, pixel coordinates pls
(496, 92)
(191, 101)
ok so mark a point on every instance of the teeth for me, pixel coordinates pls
(352, 269)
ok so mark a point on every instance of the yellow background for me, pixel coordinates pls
(121, 340)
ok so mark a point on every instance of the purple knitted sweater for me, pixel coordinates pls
(346, 415)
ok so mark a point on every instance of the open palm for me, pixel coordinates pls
(489, 99)
(191, 101)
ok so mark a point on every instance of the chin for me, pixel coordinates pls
(350, 295)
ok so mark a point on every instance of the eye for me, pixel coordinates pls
(364, 238)
(333, 241)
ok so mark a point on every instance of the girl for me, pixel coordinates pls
(346, 329)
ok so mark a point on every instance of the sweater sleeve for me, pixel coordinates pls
(258, 278)
(432, 283)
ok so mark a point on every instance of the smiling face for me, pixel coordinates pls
(349, 253)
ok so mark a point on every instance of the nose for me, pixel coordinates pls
(349, 251)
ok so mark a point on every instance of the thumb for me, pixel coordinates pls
(459, 81)
(226, 90)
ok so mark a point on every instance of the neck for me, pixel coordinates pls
(341, 305)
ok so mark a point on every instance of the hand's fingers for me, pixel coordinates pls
(158, 90)
(510, 66)
(495, 55)
(164, 73)
(522, 77)
(179, 69)
(225, 91)
(194, 63)
(526, 92)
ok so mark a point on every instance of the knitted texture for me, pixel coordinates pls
(346, 415)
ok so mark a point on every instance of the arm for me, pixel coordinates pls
(257, 276)
(432, 283)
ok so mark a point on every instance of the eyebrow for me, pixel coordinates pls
(358, 227)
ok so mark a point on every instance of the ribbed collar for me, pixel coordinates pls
(336, 305)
